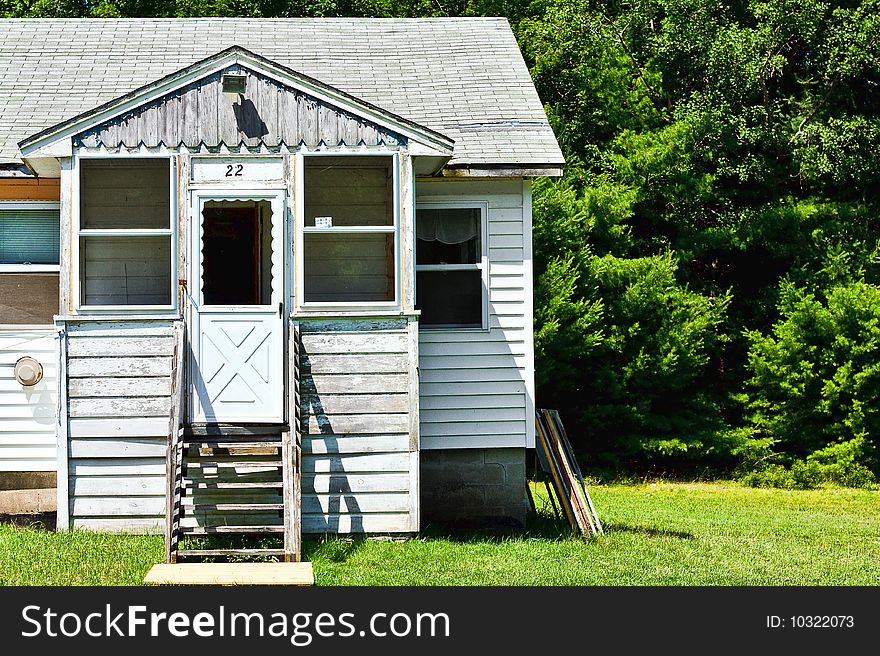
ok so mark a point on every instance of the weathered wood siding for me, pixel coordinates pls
(477, 387)
(270, 115)
(359, 425)
(27, 414)
(118, 405)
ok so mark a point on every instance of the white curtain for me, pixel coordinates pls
(447, 227)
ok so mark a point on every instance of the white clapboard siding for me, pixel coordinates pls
(361, 363)
(355, 403)
(355, 464)
(119, 524)
(343, 384)
(327, 422)
(12, 392)
(476, 388)
(474, 348)
(35, 411)
(118, 405)
(27, 414)
(358, 396)
(350, 503)
(123, 486)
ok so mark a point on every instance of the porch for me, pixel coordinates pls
(354, 398)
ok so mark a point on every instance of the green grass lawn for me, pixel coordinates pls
(656, 534)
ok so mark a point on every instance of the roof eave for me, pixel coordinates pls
(514, 170)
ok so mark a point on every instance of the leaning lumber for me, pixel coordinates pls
(556, 457)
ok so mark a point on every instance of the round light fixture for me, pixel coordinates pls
(28, 371)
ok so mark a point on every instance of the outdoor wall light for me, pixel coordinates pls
(28, 371)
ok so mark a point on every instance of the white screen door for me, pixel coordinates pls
(237, 327)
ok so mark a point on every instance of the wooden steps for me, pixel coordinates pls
(203, 445)
(233, 485)
(233, 431)
(230, 481)
(213, 553)
(234, 507)
(231, 574)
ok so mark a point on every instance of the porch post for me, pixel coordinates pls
(406, 198)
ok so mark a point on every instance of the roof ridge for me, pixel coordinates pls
(254, 19)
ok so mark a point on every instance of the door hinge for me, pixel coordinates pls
(281, 309)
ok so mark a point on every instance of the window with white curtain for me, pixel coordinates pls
(452, 265)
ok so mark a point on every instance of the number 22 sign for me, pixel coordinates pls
(256, 169)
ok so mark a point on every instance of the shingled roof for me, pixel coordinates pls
(464, 77)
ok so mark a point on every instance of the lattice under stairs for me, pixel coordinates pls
(233, 481)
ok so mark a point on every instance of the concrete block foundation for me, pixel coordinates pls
(474, 488)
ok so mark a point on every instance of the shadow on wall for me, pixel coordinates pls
(248, 119)
(341, 499)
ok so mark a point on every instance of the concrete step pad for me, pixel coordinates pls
(231, 574)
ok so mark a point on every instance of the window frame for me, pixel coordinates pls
(301, 230)
(32, 205)
(77, 233)
(482, 266)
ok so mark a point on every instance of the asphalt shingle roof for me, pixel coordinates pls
(462, 77)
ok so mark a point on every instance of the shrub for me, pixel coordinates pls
(814, 390)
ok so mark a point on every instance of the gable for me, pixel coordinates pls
(188, 106)
(268, 115)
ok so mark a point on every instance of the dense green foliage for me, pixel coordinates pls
(724, 173)
(706, 269)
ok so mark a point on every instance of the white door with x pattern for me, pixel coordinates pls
(237, 325)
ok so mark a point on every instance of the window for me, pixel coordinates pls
(29, 237)
(125, 233)
(451, 265)
(349, 230)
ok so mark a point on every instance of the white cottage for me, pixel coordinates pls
(258, 275)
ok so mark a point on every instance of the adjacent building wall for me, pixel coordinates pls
(27, 414)
(477, 386)
(26, 188)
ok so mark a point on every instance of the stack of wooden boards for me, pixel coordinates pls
(557, 459)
